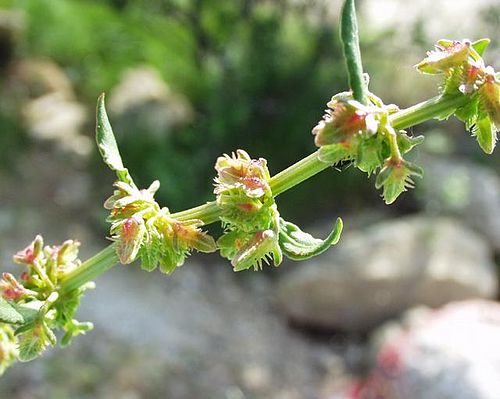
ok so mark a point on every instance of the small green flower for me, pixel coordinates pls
(370, 154)
(35, 340)
(12, 290)
(396, 177)
(31, 253)
(489, 97)
(261, 247)
(239, 171)
(344, 119)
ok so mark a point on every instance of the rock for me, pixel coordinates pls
(49, 109)
(465, 189)
(452, 353)
(218, 333)
(376, 274)
(56, 118)
(142, 100)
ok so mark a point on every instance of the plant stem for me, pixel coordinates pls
(90, 269)
(427, 110)
(302, 170)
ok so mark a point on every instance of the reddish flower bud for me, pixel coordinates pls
(129, 239)
(11, 289)
(241, 172)
(29, 254)
(343, 121)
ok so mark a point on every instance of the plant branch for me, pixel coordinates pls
(295, 174)
(90, 269)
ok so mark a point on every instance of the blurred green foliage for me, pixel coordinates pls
(257, 74)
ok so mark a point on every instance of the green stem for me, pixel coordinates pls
(304, 169)
(427, 110)
(90, 269)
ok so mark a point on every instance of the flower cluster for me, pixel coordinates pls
(250, 218)
(362, 134)
(254, 232)
(139, 226)
(141, 229)
(464, 70)
(36, 305)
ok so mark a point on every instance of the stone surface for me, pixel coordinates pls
(378, 273)
(203, 332)
(143, 101)
(464, 189)
(42, 93)
(452, 353)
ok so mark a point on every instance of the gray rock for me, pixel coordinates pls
(462, 188)
(378, 273)
(143, 100)
(452, 353)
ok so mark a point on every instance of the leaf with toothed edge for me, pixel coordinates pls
(298, 245)
(485, 133)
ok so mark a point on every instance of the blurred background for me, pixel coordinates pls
(188, 80)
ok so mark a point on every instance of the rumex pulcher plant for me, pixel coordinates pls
(357, 127)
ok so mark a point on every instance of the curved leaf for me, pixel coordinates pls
(298, 245)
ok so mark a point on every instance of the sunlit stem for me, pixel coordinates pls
(302, 170)
(89, 270)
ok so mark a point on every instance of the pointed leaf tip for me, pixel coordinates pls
(481, 45)
(105, 138)
(298, 245)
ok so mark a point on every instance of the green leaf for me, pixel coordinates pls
(170, 259)
(298, 245)
(370, 155)
(74, 328)
(350, 45)
(396, 178)
(150, 254)
(8, 314)
(106, 143)
(481, 45)
(30, 312)
(406, 143)
(261, 248)
(33, 342)
(468, 113)
(105, 138)
(486, 134)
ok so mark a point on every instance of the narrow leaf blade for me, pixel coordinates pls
(105, 138)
